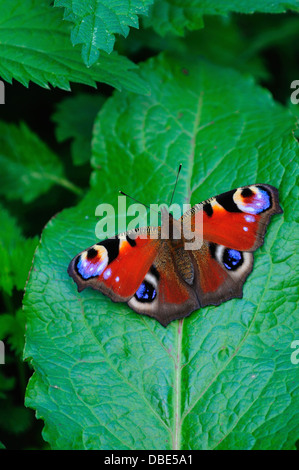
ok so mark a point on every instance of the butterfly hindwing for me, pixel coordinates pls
(220, 273)
(166, 292)
(182, 282)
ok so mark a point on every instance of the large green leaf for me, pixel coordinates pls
(175, 15)
(107, 378)
(97, 22)
(35, 45)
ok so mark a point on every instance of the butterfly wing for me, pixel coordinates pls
(237, 219)
(166, 293)
(161, 279)
(233, 226)
(220, 273)
(143, 272)
(115, 266)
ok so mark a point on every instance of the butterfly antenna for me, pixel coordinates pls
(177, 177)
(124, 194)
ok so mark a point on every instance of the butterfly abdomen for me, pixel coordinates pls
(184, 265)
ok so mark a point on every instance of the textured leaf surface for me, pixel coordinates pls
(107, 378)
(97, 22)
(175, 15)
(35, 45)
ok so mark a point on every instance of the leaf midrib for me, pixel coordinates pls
(235, 353)
(114, 368)
(178, 387)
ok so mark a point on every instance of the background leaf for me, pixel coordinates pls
(28, 167)
(6, 384)
(74, 118)
(174, 16)
(97, 22)
(13, 248)
(35, 45)
(13, 327)
(107, 378)
(15, 419)
(247, 6)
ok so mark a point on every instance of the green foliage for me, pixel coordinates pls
(214, 7)
(6, 384)
(16, 254)
(35, 45)
(97, 22)
(75, 126)
(13, 327)
(295, 109)
(213, 380)
(103, 377)
(14, 419)
(174, 16)
(13, 249)
(29, 168)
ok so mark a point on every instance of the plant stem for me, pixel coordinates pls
(65, 183)
(71, 186)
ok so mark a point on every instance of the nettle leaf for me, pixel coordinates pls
(35, 45)
(107, 378)
(174, 16)
(74, 118)
(97, 22)
(12, 327)
(13, 248)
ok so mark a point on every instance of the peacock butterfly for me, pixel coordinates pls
(158, 277)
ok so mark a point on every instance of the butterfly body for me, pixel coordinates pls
(151, 269)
